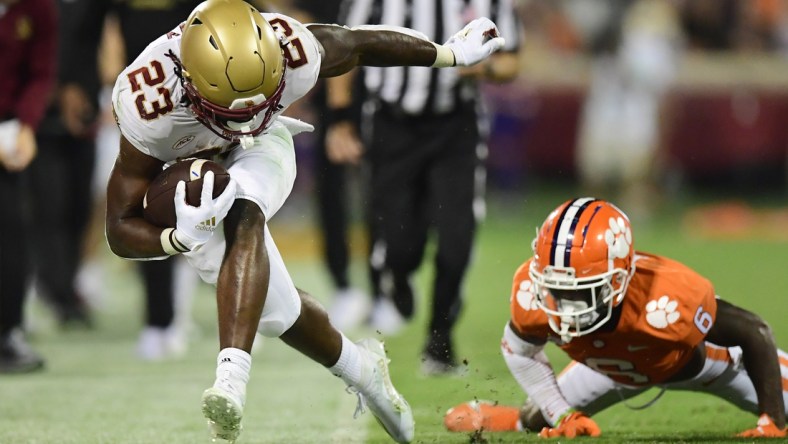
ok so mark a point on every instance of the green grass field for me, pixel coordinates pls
(94, 390)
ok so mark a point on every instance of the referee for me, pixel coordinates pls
(424, 149)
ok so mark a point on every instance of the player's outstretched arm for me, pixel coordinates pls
(344, 48)
(735, 326)
(529, 365)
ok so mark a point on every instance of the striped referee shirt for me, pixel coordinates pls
(419, 90)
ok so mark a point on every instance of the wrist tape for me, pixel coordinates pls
(444, 57)
(170, 242)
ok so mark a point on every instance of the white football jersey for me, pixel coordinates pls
(147, 97)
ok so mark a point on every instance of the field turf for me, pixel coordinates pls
(94, 390)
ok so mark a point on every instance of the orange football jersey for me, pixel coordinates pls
(666, 313)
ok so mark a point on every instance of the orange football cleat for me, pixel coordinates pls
(481, 415)
(766, 429)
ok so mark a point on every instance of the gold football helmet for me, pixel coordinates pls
(232, 67)
(583, 260)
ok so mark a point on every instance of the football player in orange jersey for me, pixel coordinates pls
(630, 321)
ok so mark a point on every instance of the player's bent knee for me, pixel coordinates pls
(282, 307)
(245, 215)
(311, 305)
(273, 328)
(275, 323)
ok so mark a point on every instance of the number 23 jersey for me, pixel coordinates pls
(147, 97)
(666, 313)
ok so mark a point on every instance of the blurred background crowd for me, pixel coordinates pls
(651, 96)
(637, 101)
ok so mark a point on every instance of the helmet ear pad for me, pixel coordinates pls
(233, 67)
(584, 245)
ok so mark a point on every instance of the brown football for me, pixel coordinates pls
(159, 202)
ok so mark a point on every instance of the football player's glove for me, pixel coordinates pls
(573, 423)
(195, 225)
(475, 42)
(481, 415)
(765, 429)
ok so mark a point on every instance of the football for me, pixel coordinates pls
(159, 201)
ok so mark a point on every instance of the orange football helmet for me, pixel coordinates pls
(232, 68)
(582, 264)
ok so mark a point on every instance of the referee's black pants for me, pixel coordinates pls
(331, 194)
(60, 184)
(423, 178)
(14, 249)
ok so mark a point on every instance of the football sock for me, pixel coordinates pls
(348, 367)
(236, 362)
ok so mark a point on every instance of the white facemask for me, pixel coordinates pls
(570, 307)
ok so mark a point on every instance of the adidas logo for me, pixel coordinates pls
(226, 360)
(207, 225)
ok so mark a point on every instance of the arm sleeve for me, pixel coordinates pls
(35, 97)
(531, 369)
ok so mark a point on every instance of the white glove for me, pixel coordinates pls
(475, 42)
(195, 225)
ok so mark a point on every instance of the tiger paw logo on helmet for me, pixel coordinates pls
(662, 312)
(618, 238)
(526, 297)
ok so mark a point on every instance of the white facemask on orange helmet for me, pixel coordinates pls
(582, 264)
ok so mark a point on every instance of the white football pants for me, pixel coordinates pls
(265, 173)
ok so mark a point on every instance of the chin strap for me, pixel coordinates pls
(564, 332)
(246, 141)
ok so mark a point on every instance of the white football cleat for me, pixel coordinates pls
(157, 344)
(385, 318)
(150, 345)
(431, 366)
(378, 393)
(222, 406)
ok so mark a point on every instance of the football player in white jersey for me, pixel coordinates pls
(214, 87)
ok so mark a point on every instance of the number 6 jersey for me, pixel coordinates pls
(666, 313)
(148, 98)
